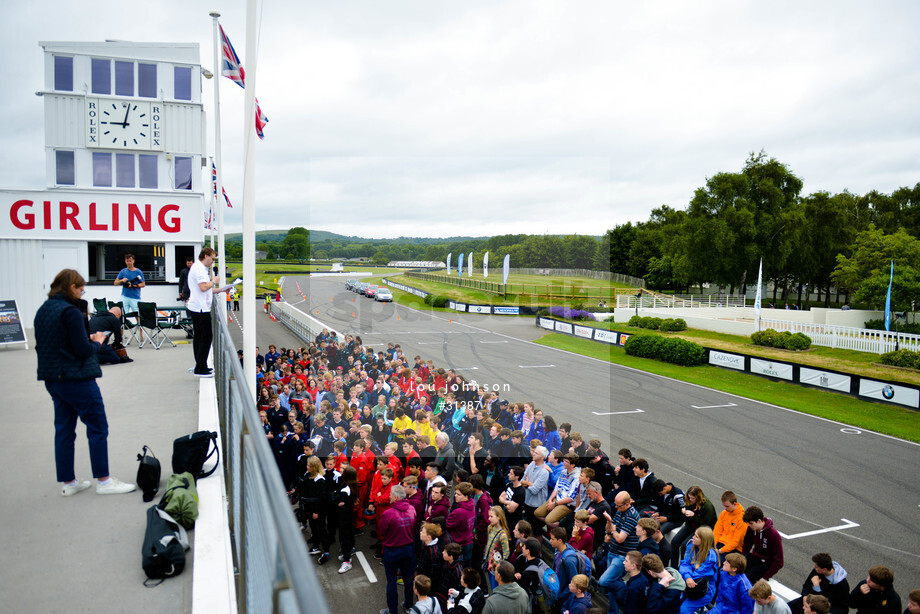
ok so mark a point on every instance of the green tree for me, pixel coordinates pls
(578, 252)
(380, 258)
(867, 271)
(296, 244)
(613, 252)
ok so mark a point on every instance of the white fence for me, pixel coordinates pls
(847, 338)
(649, 301)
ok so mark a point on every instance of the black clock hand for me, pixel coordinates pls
(124, 124)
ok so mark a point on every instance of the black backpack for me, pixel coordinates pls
(165, 543)
(148, 474)
(192, 451)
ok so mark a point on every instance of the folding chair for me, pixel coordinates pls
(154, 328)
(132, 330)
(99, 305)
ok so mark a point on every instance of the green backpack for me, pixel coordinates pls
(180, 500)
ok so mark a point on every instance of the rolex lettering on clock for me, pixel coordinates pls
(113, 123)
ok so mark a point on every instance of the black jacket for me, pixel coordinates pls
(65, 352)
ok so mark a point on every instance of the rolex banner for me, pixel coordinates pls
(506, 268)
(485, 265)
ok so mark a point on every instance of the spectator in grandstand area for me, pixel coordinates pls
(424, 603)
(475, 457)
(561, 500)
(732, 596)
(565, 561)
(414, 497)
(508, 597)
(537, 429)
(497, 547)
(816, 604)
(645, 530)
(828, 579)
(730, 529)
(762, 546)
(554, 463)
(670, 505)
(622, 473)
(345, 503)
(535, 478)
(446, 458)
(551, 438)
(642, 489)
(698, 512)
(699, 569)
(429, 560)
(664, 546)
(600, 462)
(578, 601)
(461, 520)
(471, 600)
(621, 538)
(578, 447)
(876, 594)
(582, 501)
(666, 586)
(597, 509)
(767, 602)
(526, 570)
(913, 603)
(637, 585)
(564, 430)
(395, 530)
(451, 571)
(582, 535)
(482, 503)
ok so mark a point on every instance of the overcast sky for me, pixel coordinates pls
(432, 118)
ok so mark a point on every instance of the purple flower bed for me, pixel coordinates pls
(571, 314)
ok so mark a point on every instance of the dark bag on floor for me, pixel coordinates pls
(192, 451)
(148, 474)
(165, 543)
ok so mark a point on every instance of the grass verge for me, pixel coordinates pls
(886, 419)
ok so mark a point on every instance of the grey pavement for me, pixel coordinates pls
(83, 553)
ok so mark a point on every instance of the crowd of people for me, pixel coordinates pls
(461, 490)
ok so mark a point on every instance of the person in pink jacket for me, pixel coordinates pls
(460, 521)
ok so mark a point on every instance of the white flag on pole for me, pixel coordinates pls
(485, 265)
(470, 267)
(757, 298)
(506, 264)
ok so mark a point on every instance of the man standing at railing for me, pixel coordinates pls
(202, 288)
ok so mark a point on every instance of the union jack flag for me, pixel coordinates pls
(232, 68)
(261, 120)
(214, 185)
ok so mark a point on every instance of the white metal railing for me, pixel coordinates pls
(847, 337)
(653, 301)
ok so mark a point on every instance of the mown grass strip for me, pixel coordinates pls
(878, 417)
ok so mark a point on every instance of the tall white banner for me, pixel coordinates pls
(470, 267)
(757, 298)
(485, 265)
(506, 267)
(448, 262)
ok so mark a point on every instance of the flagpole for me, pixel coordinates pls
(249, 211)
(221, 256)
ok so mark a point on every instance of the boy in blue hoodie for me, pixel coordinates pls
(733, 595)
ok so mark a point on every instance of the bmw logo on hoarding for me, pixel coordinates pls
(888, 392)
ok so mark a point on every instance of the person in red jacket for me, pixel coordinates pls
(763, 547)
(363, 462)
(397, 532)
(393, 462)
(461, 520)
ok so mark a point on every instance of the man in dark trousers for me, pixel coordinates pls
(396, 530)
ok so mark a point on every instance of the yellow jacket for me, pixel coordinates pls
(730, 529)
(425, 429)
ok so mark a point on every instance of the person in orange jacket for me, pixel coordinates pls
(730, 528)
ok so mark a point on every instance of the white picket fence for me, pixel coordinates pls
(847, 338)
(695, 301)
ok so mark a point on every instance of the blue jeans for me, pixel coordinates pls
(401, 559)
(466, 555)
(72, 400)
(612, 580)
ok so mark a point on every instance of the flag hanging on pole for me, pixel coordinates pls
(506, 264)
(448, 262)
(460, 265)
(758, 297)
(888, 300)
(233, 69)
(214, 186)
(469, 272)
(485, 266)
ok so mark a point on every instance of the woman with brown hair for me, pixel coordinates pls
(68, 365)
(698, 512)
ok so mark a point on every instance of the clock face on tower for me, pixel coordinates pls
(123, 124)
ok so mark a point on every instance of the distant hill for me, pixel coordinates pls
(320, 236)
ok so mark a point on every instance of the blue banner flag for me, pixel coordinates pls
(888, 300)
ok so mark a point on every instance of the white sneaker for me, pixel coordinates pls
(115, 487)
(69, 490)
(346, 566)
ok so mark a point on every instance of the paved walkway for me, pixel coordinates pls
(82, 554)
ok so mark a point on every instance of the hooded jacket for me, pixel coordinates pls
(730, 530)
(507, 599)
(460, 522)
(836, 588)
(765, 545)
(733, 595)
(396, 526)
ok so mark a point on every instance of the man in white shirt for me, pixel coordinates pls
(202, 288)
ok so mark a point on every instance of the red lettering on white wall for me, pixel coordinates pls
(47, 224)
(22, 221)
(93, 225)
(69, 213)
(174, 224)
(134, 214)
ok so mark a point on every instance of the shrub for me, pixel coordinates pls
(672, 324)
(912, 328)
(427, 299)
(567, 313)
(610, 319)
(902, 358)
(784, 340)
(668, 349)
(439, 301)
(634, 321)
